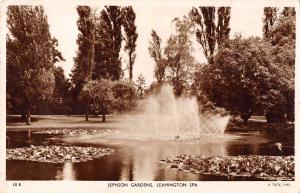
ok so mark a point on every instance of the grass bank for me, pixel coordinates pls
(45, 122)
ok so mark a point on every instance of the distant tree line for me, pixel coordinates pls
(175, 63)
(98, 59)
(256, 75)
(242, 76)
(35, 84)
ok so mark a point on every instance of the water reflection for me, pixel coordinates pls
(65, 172)
(137, 160)
(142, 162)
(127, 168)
(143, 159)
(29, 134)
(68, 172)
(27, 170)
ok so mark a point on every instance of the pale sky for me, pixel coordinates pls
(62, 20)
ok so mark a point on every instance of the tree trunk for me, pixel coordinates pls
(130, 67)
(23, 114)
(211, 59)
(141, 94)
(103, 117)
(86, 114)
(67, 111)
(28, 117)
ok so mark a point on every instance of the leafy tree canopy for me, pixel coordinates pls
(178, 56)
(98, 95)
(31, 54)
(242, 78)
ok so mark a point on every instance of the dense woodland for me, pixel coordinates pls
(242, 76)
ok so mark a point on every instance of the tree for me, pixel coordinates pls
(275, 106)
(241, 78)
(269, 19)
(84, 62)
(31, 54)
(179, 61)
(284, 29)
(208, 32)
(141, 85)
(223, 29)
(124, 95)
(155, 52)
(131, 36)
(207, 38)
(61, 91)
(205, 105)
(99, 96)
(282, 40)
(108, 44)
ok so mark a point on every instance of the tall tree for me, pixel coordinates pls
(284, 28)
(155, 52)
(283, 45)
(31, 54)
(210, 32)
(179, 59)
(84, 61)
(108, 44)
(131, 36)
(223, 28)
(269, 19)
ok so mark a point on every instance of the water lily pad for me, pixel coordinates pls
(72, 131)
(57, 154)
(261, 167)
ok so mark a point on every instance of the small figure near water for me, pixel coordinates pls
(279, 146)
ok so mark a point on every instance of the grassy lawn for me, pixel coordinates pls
(44, 122)
(258, 123)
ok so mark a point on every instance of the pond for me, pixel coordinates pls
(138, 159)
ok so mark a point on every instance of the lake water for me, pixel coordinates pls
(139, 159)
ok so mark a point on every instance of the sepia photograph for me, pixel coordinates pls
(149, 92)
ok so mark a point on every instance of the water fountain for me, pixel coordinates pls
(163, 116)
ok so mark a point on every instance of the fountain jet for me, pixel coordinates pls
(163, 116)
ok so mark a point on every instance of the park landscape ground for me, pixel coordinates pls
(68, 136)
